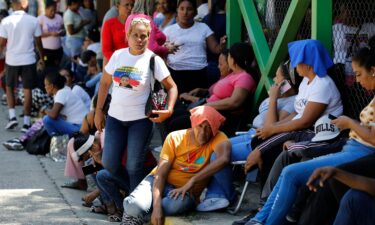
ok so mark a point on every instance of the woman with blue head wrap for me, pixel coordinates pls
(317, 96)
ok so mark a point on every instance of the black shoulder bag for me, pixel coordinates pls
(157, 100)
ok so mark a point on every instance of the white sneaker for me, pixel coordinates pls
(212, 204)
(158, 149)
(11, 124)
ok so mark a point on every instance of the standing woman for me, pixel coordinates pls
(74, 26)
(52, 27)
(145, 9)
(127, 126)
(88, 12)
(168, 14)
(113, 32)
(188, 65)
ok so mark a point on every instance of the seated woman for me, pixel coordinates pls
(317, 96)
(360, 144)
(76, 89)
(278, 106)
(68, 110)
(229, 94)
(72, 167)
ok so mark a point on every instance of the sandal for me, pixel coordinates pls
(116, 217)
(77, 185)
(102, 209)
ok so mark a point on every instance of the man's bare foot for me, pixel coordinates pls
(90, 197)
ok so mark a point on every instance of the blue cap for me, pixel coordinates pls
(310, 52)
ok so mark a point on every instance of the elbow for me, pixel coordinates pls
(224, 160)
(306, 124)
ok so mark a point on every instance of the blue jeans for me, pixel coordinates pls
(59, 126)
(110, 186)
(130, 136)
(356, 208)
(139, 202)
(221, 185)
(296, 175)
(73, 45)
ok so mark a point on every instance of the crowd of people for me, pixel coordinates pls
(95, 84)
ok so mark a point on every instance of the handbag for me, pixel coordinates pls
(157, 100)
(39, 143)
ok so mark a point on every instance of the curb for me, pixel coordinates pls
(170, 220)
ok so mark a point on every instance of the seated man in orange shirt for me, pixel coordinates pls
(184, 170)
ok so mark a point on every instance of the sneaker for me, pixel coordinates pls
(13, 145)
(293, 215)
(244, 220)
(129, 220)
(253, 222)
(158, 149)
(11, 124)
(212, 204)
(25, 127)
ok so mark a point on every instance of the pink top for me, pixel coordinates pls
(224, 87)
(157, 38)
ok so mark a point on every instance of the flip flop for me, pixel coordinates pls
(117, 217)
(73, 185)
(88, 205)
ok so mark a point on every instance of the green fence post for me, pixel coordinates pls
(234, 20)
(321, 22)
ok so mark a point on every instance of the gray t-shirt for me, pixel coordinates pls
(285, 104)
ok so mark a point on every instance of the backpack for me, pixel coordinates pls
(39, 143)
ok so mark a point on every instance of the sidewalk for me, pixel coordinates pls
(30, 192)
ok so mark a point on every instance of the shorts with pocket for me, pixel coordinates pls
(26, 72)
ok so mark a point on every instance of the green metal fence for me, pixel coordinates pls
(271, 24)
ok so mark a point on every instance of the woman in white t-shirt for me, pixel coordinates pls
(68, 110)
(52, 27)
(317, 96)
(127, 126)
(188, 64)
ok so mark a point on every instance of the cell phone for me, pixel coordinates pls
(331, 117)
(90, 169)
(285, 86)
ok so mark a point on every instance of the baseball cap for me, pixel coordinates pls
(324, 130)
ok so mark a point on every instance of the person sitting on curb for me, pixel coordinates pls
(184, 169)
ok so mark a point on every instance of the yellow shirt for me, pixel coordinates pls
(187, 159)
(366, 117)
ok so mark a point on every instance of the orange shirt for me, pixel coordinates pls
(187, 159)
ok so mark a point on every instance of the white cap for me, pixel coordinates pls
(324, 130)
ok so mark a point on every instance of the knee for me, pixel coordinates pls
(47, 120)
(354, 198)
(131, 207)
(287, 171)
(102, 175)
(176, 206)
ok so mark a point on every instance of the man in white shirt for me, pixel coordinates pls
(18, 33)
